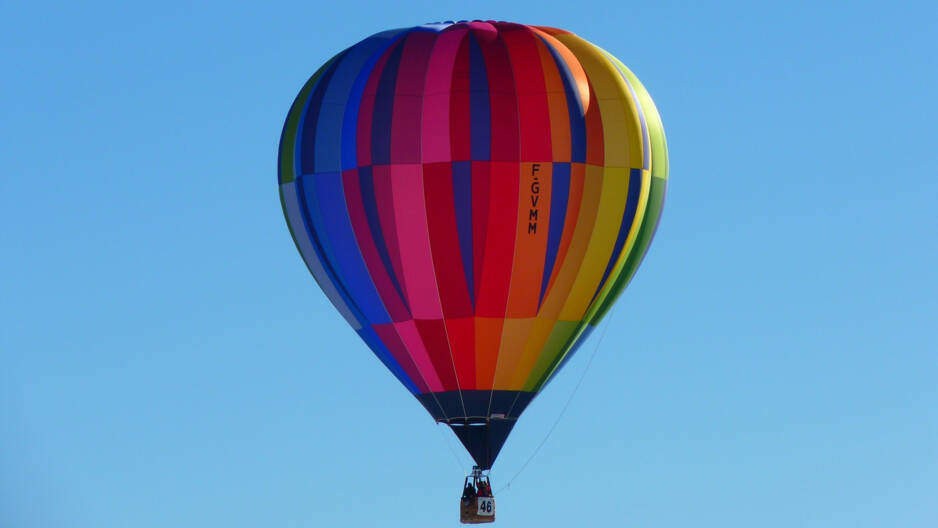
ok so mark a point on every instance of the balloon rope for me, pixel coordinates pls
(566, 405)
(449, 445)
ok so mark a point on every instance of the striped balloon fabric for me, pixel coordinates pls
(472, 197)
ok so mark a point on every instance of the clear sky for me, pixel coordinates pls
(167, 361)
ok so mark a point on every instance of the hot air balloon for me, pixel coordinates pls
(472, 197)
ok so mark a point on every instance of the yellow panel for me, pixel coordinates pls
(619, 149)
(603, 239)
(621, 125)
(557, 295)
(537, 339)
(560, 337)
(514, 336)
(629, 241)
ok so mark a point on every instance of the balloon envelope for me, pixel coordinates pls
(472, 197)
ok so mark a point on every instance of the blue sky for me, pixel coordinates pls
(166, 360)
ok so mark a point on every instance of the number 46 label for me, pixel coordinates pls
(486, 506)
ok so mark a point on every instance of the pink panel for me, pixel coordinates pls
(436, 100)
(414, 345)
(391, 339)
(414, 241)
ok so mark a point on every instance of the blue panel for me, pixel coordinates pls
(559, 196)
(377, 346)
(328, 144)
(350, 120)
(462, 198)
(312, 220)
(480, 125)
(336, 97)
(306, 131)
(384, 110)
(312, 253)
(347, 258)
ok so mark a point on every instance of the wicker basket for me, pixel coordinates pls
(477, 511)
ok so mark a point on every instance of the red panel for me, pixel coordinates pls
(459, 116)
(503, 101)
(462, 342)
(488, 341)
(481, 182)
(389, 337)
(595, 154)
(557, 102)
(533, 108)
(433, 334)
(500, 240)
(444, 240)
(381, 175)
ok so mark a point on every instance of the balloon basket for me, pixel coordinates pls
(477, 505)
(478, 511)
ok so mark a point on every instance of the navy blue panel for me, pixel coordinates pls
(628, 218)
(384, 109)
(338, 94)
(462, 199)
(478, 403)
(309, 215)
(559, 196)
(574, 108)
(378, 45)
(483, 441)
(452, 404)
(302, 105)
(480, 119)
(367, 185)
(337, 228)
(482, 434)
(430, 405)
(306, 138)
(521, 402)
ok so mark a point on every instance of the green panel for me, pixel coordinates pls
(552, 352)
(649, 221)
(656, 136)
(645, 234)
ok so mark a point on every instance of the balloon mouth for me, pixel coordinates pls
(481, 419)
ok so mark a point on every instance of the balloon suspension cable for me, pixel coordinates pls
(459, 462)
(579, 382)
